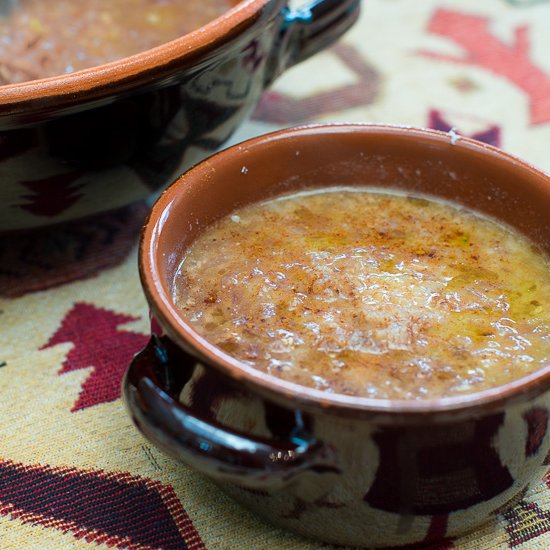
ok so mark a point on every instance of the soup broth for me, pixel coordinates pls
(40, 38)
(370, 294)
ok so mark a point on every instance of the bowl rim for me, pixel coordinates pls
(99, 80)
(183, 334)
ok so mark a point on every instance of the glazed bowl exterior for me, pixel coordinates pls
(346, 470)
(95, 140)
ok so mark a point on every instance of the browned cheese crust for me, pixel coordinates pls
(370, 294)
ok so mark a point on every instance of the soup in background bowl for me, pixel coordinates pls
(365, 471)
(43, 39)
(133, 114)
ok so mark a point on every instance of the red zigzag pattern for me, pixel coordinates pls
(483, 49)
(113, 508)
(99, 344)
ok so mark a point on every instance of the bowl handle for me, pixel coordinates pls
(149, 390)
(310, 29)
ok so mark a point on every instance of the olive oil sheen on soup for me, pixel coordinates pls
(370, 293)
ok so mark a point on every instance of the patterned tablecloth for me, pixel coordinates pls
(74, 472)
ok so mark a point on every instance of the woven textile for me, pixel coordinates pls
(74, 472)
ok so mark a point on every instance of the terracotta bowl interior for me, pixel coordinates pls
(466, 172)
(418, 161)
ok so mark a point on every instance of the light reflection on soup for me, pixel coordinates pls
(42, 38)
(370, 294)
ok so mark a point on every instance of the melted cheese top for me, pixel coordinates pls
(369, 293)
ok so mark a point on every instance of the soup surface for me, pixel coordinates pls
(370, 294)
(41, 38)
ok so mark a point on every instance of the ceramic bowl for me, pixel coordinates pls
(346, 470)
(99, 139)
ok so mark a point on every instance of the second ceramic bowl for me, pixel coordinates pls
(95, 140)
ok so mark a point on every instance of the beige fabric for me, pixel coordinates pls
(394, 66)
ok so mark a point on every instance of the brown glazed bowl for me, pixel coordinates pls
(347, 470)
(95, 140)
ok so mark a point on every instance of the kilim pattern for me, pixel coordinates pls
(74, 472)
(526, 522)
(97, 343)
(97, 506)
